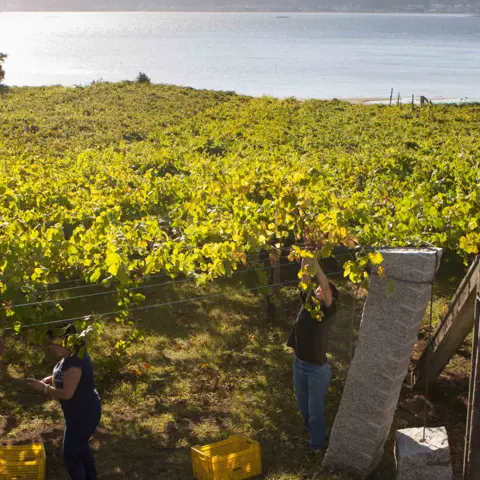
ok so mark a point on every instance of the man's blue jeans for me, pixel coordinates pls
(311, 386)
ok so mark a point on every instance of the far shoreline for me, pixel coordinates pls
(309, 12)
(366, 100)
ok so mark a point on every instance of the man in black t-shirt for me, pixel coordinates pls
(309, 339)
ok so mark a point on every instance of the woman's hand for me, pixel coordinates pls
(36, 384)
(48, 380)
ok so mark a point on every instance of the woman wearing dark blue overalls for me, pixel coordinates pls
(72, 383)
(309, 339)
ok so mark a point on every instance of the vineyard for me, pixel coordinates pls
(113, 185)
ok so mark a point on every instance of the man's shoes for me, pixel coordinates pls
(315, 451)
(314, 455)
(318, 452)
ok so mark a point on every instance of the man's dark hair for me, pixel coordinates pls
(334, 290)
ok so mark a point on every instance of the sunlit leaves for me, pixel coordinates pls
(113, 262)
(354, 272)
(375, 258)
(192, 183)
(470, 243)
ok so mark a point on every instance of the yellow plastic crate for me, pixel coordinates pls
(236, 458)
(27, 462)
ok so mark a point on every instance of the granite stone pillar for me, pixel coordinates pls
(391, 320)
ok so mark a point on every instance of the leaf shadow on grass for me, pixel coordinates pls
(218, 367)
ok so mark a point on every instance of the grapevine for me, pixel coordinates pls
(96, 186)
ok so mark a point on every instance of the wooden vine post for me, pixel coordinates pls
(274, 296)
(471, 467)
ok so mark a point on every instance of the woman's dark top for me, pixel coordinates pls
(309, 336)
(85, 400)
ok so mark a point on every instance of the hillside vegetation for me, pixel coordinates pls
(115, 182)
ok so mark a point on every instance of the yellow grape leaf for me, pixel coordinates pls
(376, 258)
(298, 177)
(113, 269)
(96, 275)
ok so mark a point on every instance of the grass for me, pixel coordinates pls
(206, 370)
